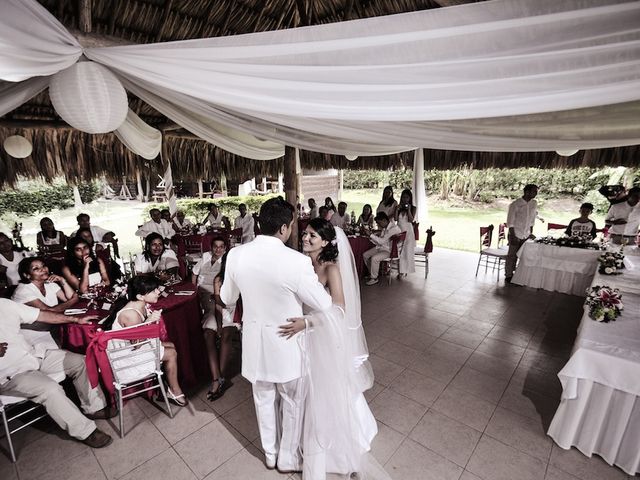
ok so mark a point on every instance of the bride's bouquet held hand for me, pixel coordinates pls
(294, 326)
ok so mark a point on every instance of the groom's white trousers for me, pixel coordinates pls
(279, 408)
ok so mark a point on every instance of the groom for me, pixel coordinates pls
(274, 282)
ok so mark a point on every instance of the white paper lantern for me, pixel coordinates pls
(89, 97)
(351, 158)
(567, 153)
(17, 146)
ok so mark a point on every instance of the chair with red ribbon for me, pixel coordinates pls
(490, 257)
(422, 253)
(393, 260)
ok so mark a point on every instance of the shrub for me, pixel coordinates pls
(33, 197)
(196, 209)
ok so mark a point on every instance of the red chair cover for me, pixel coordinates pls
(400, 237)
(416, 230)
(485, 236)
(428, 246)
(96, 360)
(555, 226)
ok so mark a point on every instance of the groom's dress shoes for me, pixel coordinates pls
(270, 460)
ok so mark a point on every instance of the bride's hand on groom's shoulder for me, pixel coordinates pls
(293, 326)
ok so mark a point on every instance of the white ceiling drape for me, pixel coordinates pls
(502, 75)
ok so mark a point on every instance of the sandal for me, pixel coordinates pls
(179, 400)
(213, 395)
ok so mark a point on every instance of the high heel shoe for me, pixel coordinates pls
(179, 400)
(213, 395)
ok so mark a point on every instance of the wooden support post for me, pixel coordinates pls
(84, 17)
(291, 190)
(200, 188)
(341, 186)
(140, 195)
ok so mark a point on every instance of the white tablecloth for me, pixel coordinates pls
(557, 269)
(600, 407)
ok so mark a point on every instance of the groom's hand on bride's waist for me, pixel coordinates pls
(293, 326)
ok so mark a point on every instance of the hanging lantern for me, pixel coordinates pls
(567, 153)
(89, 97)
(17, 146)
(351, 158)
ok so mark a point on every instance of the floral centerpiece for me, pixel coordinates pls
(604, 302)
(572, 242)
(611, 262)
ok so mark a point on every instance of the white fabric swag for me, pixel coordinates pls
(502, 75)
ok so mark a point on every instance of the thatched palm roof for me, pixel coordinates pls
(58, 149)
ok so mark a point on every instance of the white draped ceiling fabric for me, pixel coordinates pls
(501, 75)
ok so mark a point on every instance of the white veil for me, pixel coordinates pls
(338, 425)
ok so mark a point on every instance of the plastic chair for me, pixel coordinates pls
(10, 403)
(393, 260)
(490, 257)
(130, 365)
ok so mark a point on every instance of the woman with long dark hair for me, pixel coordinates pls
(82, 269)
(405, 215)
(142, 293)
(156, 258)
(366, 217)
(388, 204)
(42, 290)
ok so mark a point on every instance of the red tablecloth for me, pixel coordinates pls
(181, 315)
(359, 245)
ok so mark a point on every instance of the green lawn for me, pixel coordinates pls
(458, 227)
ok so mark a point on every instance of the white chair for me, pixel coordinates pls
(8, 403)
(134, 366)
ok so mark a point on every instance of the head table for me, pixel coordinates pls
(556, 269)
(599, 412)
(181, 316)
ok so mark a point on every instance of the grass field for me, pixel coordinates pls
(456, 224)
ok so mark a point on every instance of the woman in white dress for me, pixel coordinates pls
(82, 269)
(156, 259)
(338, 424)
(366, 217)
(405, 213)
(142, 293)
(388, 204)
(39, 289)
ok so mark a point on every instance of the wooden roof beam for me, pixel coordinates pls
(452, 3)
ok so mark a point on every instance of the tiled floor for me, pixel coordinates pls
(465, 390)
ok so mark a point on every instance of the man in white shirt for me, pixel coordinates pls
(157, 225)
(520, 219)
(313, 209)
(623, 218)
(202, 275)
(24, 370)
(215, 218)
(341, 218)
(100, 235)
(180, 223)
(382, 249)
(245, 222)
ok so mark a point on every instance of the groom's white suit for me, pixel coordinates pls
(274, 282)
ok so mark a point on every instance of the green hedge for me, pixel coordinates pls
(36, 197)
(196, 209)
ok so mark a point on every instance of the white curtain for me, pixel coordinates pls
(501, 75)
(419, 191)
(140, 138)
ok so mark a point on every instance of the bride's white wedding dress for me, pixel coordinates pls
(338, 424)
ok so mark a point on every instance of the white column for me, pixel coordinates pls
(419, 191)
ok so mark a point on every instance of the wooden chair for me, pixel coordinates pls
(490, 257)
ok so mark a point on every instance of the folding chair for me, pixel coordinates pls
(133, 365)
(490, 257)
(393, 260)
(9, 404)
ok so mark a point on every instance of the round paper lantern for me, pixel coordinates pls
(567, 153)
(89, 97)
(351, 158)
(17, 146)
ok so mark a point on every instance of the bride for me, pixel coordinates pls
(338, 425)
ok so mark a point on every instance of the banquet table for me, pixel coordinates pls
(556, 269)
(359, 245)
(181, 315)
(599, 412)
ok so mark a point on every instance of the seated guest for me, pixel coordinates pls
(366, 217)
(324, 213)
(313, 209)
(216, 219)
(86, 235)
(583, 225)
(203, 276)
(142, 293)
(328, 202)
(10, 258)
(82, 269)
(48, 238)
(245, 222)
(382, 242)
(623, 218)
(100, 235)
(24, 369)
(341, 218)
(181, 224)
(165, 214)
(41, 290)
(156, 225)
(156, 259)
